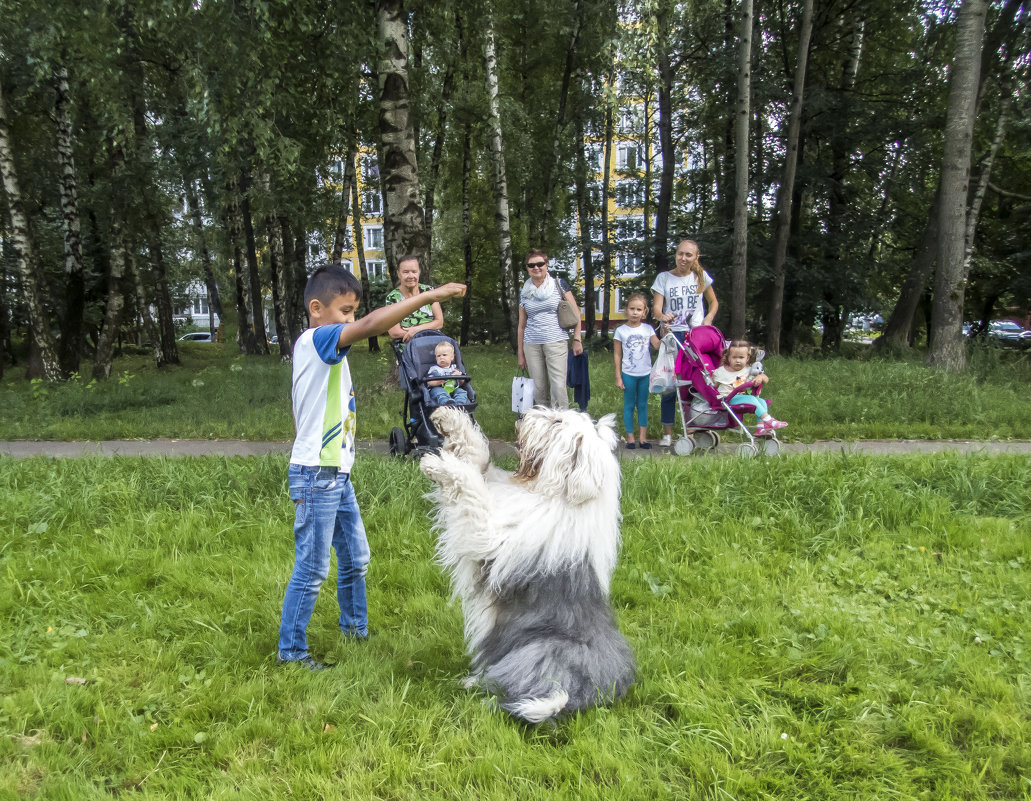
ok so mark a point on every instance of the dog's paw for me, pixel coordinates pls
(449, 419)
(432, 466)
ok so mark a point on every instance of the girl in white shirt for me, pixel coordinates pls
(631, 350)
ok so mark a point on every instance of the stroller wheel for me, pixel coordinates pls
(683, 446)
(747, 450)
(398, 442)
(770, 446)
(706, 440)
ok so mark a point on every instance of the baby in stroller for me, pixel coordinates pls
(708, 405)
(738, 366)
(425, 389)
(445, 378)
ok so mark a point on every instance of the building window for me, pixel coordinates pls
(376, 268)
(629, 264)
(627, 120)
(629, 195)
(372, 203)
(369, 168)
(200, 305)
(630, 228)
(596, 158)
(626, 157)
(347, 264)
(374, 237)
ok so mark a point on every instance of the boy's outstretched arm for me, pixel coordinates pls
(379, 321)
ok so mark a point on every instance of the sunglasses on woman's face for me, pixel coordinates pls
(533, 265)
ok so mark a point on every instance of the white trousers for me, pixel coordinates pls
(548, 362)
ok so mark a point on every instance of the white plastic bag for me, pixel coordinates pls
(663, 378)
(522, 394)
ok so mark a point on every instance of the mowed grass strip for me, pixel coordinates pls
(216, 393)
(816, 627)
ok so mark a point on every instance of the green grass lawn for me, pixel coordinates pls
(825, 626)
(216, 393)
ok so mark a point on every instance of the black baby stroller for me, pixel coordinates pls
(413, 362)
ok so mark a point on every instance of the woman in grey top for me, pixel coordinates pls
(542, 341)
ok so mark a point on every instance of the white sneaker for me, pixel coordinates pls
(666, 441)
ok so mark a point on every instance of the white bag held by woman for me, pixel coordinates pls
(662, 378)
(522, 394)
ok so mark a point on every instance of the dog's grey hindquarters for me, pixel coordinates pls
(554, 647)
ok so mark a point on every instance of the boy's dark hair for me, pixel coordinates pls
(330, 281)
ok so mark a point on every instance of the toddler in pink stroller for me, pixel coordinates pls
(716, 390)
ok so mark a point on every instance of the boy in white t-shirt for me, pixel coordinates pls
(632, 343)
(326, 512)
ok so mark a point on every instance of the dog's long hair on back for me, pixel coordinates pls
(530, 555)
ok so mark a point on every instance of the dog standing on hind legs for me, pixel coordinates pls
(530, 555)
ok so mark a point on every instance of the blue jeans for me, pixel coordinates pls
(326, 514)
(635, 396)
(668, 406)
(440, 397)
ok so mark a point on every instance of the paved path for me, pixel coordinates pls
(233, 447)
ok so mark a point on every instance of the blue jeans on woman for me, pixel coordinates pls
(635, 396)
(668, 406)
(326, 515)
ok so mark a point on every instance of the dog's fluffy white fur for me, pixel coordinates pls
(530, 555)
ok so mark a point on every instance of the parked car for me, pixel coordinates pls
(1008, 331)
(196, 336)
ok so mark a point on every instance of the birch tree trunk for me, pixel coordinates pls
(547, 227)
(151, 334)
(985, 177)
(947, 349)
(151, 215)
(363, 270)
(30, 273)
(665, 93)
(404, 223)
(257, 301)
(583, 214)
(787, 186)
(497, 154)
(606, 238)
(72, 333)
(345, 204)
(214, 298)
(467, 241)
(435, 159)
(739, 237)
(244, 328)
(103, 356)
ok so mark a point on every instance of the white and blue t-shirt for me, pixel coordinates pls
(323, 400)
(541, 306)
(682, 298)
(637, 343)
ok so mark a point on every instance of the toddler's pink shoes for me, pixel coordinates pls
(767, 427)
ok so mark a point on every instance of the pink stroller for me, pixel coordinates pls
(703, 412)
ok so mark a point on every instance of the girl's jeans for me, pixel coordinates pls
(326, 515)
(668, 406)
(761, 408)
(635, 396)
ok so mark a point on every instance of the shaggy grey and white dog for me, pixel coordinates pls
(530, 555)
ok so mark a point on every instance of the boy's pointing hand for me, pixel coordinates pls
(452, 290)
